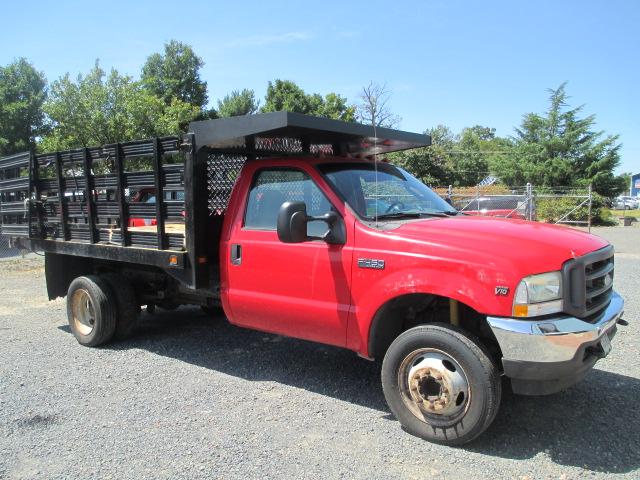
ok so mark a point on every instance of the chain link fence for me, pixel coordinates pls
(556, 205)
(6, 250)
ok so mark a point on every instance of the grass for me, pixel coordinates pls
(626, 213)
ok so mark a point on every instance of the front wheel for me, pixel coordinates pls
(441, 384)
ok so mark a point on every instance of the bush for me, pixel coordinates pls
(606, 218)
(551, 210)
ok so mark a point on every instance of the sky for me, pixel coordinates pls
(457, 63)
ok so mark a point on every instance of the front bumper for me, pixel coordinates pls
(548, 355)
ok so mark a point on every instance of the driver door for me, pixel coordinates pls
(300, 290)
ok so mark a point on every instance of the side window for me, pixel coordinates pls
(271, 188)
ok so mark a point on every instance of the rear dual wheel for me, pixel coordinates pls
(441, 384)
(91, 310)
(128, 307)
(100, 308)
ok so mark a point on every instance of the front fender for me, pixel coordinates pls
(467, 283)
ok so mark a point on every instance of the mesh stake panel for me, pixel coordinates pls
(282, 145)
(222, 171)
(294, 186)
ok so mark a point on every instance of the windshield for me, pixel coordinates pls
(396, 192)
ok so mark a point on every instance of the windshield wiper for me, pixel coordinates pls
(433, 213)
(439, 214)
(400, 215)
(416, 214)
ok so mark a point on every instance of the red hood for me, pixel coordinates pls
(542, 247)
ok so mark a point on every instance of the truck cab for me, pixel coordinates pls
(302, 227)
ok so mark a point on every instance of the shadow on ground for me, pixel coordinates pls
(594, 425)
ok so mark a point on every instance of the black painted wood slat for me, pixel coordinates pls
(61, 198)
(121, 182)
(89, 199)
(158, 182)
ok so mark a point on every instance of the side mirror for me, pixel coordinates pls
(292, 225)
(292, 222)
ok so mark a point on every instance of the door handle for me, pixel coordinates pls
(236, 254)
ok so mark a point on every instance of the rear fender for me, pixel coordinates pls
(61, 270)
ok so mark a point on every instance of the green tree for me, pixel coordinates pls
(431, 164)
(626, 178)
(454, 159)
(562, 148)
(237, 103)
(469, 162)
(336, 107)
(97, 109)
(485, 134)
(175, 74)
(285, 95)
(22, 93)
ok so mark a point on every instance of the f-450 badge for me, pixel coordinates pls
(371, 263)
(502, 291)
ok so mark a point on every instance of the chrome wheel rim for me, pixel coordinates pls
(83, 312)
(434, 386)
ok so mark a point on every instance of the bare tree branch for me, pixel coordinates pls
(373, 109)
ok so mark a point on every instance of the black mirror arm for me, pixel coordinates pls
(331, 219)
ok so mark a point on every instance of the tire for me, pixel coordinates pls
(454, 408)
(127, 303)
(91, 310)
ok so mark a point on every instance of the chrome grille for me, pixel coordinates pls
(588, 284)
(599, 285)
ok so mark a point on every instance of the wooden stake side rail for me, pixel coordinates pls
(14, 190)
(92, 195)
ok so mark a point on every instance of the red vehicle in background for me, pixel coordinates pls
(148, 196)
(505, 206)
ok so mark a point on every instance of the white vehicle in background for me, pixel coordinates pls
(626, 203)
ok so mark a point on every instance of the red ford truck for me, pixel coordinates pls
(295, 225)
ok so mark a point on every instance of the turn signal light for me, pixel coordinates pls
(520, 310)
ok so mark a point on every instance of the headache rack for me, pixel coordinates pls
(160, 202)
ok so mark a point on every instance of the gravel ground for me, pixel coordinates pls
(193, 397)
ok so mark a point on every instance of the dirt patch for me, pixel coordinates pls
(21, 265)
(37, 421)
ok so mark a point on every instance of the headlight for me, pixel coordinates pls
(538, 295)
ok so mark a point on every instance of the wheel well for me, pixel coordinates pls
(61, 270)
(407, 311)
(151, 284)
